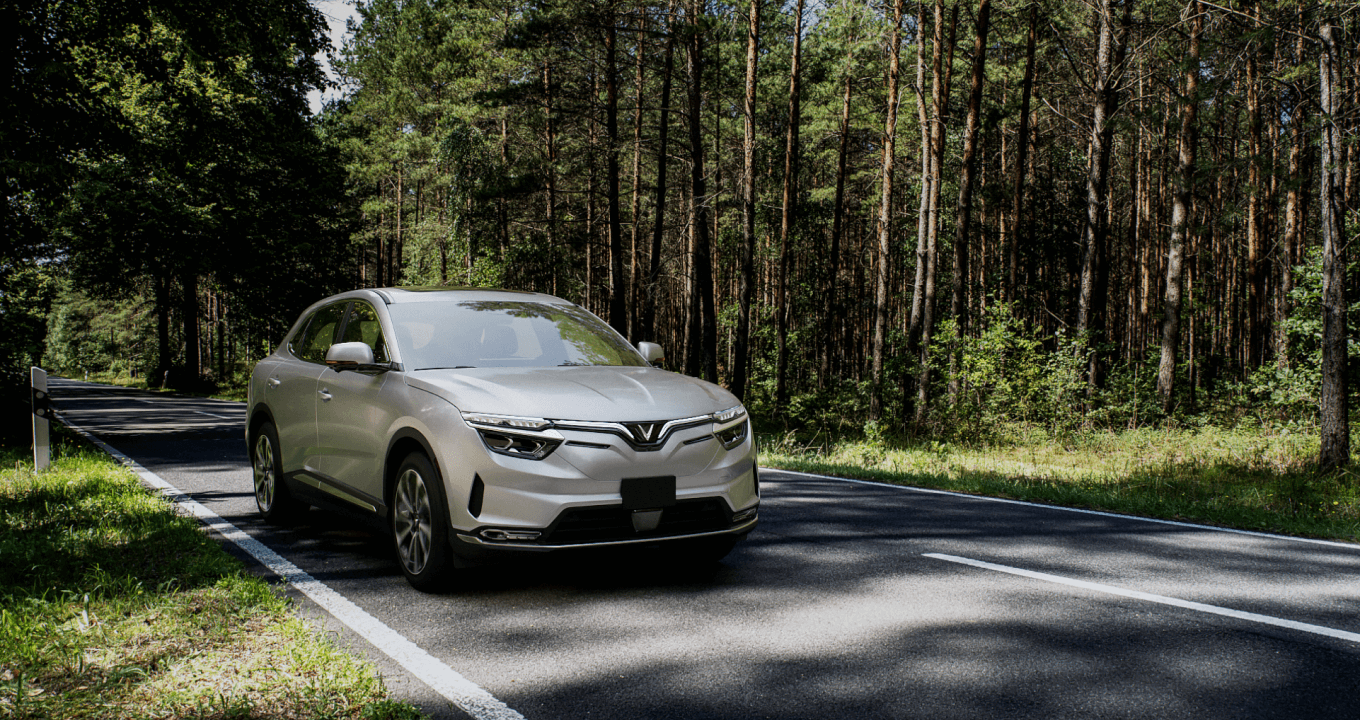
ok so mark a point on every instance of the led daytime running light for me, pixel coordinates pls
(508, 421)
(729, 414)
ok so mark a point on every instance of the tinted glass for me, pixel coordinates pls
(505, 334)
(363, 326)
(320, 333)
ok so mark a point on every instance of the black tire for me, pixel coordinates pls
(420, 526)
(272, 497)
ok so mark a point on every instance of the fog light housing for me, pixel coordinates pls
(511, 535)
(743, 515)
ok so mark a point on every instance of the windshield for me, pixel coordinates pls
(496, 333)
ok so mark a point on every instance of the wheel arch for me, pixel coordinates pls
(259, 415)
(404, 442)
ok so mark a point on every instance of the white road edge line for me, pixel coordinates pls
(219, 417)
(460, 691)
(1164, 600)
(932, 491)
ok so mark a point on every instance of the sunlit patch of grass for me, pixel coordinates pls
(234, 389)
(114, 606)
(1256, 479)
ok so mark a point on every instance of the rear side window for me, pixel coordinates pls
(363, 326)
(320, 333)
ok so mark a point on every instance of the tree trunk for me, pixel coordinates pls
(788, 209)
(927, 186)
(746, 276)
(958, 304)
(193, 365)
(940, 98)
(885, 215)
(1021, 156)
(1295, 201)
(1106, 91)
(1335, 451)
(832, 320)
(1180, 209)
(706, 327)
(618, 289)
(1256, 270)
(161, 281)
(551, 141)
(634, 271)
(659, 204)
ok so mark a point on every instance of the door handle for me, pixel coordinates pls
(325, 395)
(273, 382)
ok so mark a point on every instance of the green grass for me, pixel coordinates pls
(1252, 479)
(114, 606)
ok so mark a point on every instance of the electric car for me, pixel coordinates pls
(474, 424)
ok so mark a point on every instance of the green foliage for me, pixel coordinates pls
(85, 334)
(160, 149)
(26, 292)
(1290, 389)
(1006, 375)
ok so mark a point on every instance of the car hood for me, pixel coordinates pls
(597, 393)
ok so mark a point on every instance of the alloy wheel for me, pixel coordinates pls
(411, 521)
(265, 479)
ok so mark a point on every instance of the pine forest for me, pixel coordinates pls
(927, 218)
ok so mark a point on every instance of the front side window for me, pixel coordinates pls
(320, 333)
(363, 326)
(497, 333)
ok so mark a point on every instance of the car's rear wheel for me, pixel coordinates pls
(419, 524)
(272, 497)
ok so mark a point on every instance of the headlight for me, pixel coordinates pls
(731, 426)
(520, 437)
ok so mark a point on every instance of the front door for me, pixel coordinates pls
(354, 414)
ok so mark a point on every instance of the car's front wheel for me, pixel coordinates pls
(271, 494)
(419, 524)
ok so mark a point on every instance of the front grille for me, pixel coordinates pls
(612, 523)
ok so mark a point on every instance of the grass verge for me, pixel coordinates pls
(112, 605)
(1251, 479)
(228, 391)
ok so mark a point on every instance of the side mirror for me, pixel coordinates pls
(349, 356)
(651, 352)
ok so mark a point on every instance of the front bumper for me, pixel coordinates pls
(475, 547)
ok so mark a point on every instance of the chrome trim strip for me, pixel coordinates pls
(622, 430)
(310, 480)
(474, 540)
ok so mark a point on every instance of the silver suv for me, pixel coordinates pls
(472, 423)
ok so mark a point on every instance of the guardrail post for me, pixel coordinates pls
(42, 410)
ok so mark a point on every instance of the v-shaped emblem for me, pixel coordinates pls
(644, 432)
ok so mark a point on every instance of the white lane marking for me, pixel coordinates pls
(932, 491)
(219, 417)
(460, 691)
(1164, 600)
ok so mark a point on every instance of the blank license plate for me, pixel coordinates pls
(648, 492)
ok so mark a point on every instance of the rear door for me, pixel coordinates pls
(291, 388)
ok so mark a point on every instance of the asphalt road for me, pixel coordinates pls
(838, 605)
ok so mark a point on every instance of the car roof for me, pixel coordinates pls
(401, 295)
